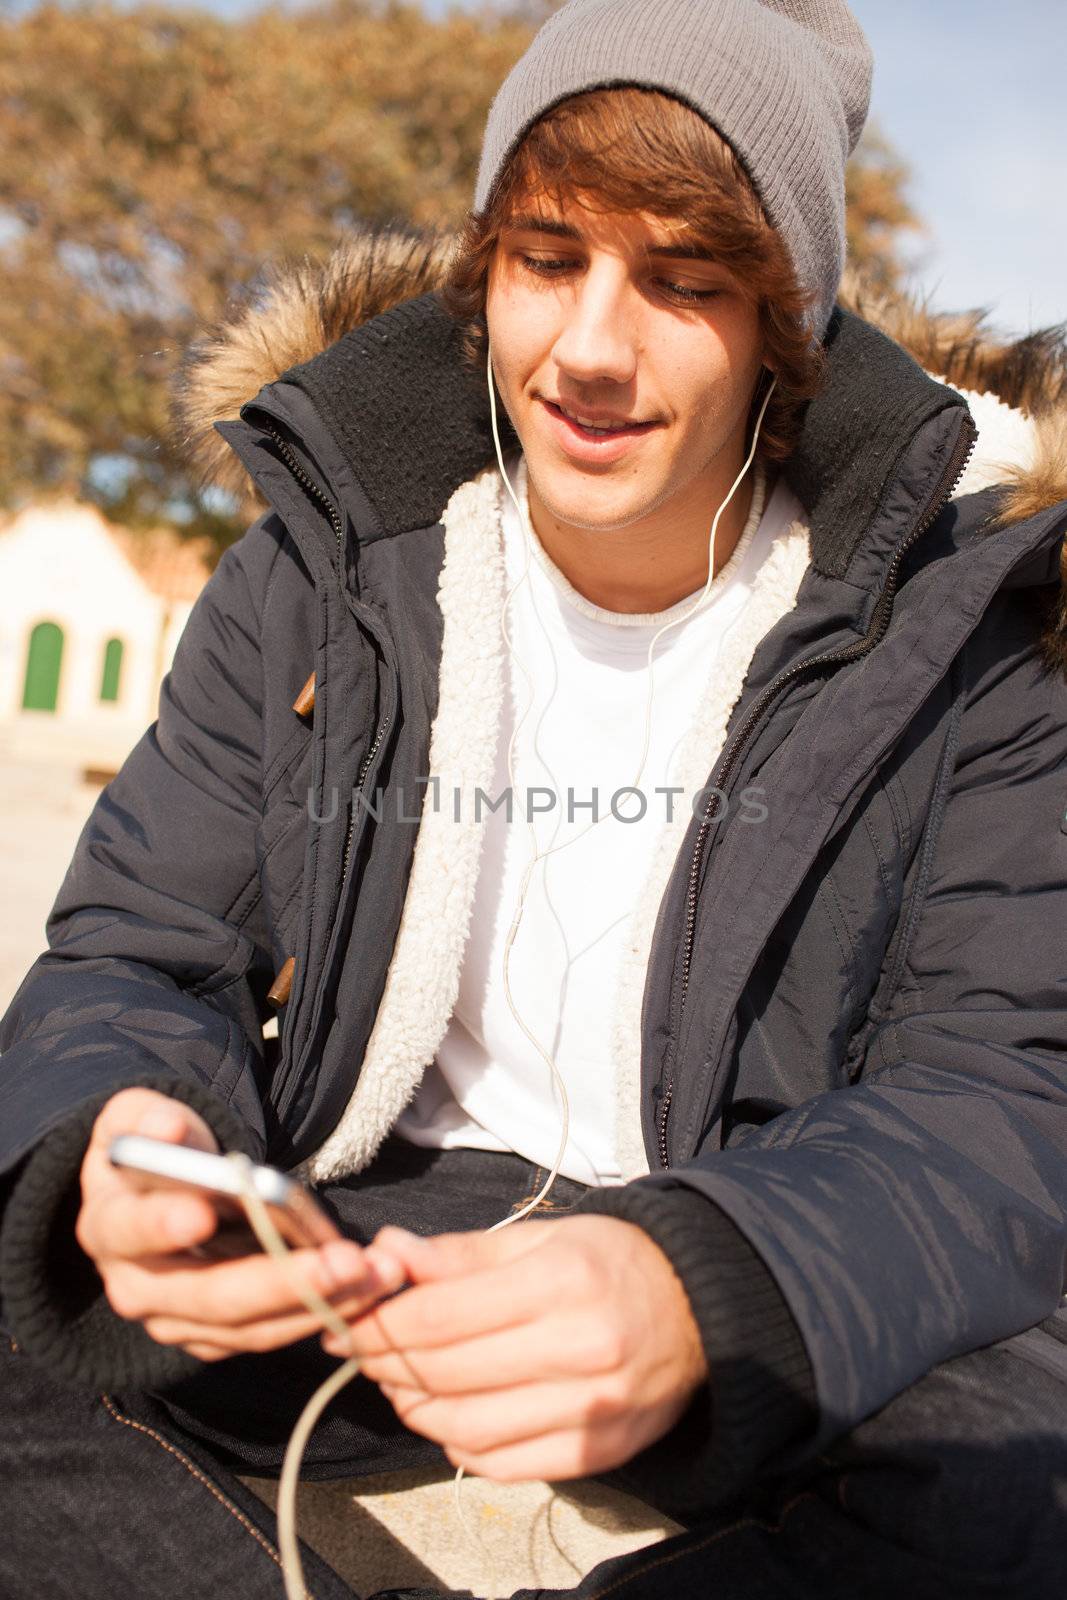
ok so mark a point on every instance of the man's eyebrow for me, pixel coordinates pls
(530, 222)
(684, 252)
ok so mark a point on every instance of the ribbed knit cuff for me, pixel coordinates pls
(53, 1297)
(760, 1395)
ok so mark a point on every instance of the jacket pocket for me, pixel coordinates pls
(1045, 1345)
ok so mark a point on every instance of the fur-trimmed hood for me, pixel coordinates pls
(1017, 389)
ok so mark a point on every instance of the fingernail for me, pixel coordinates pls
(345, 1263)
(184, 1221)
(412, 1241)
(160, 1123)
(386, 1268)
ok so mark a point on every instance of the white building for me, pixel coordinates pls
(89, 618)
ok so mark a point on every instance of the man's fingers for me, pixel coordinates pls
(454, 1255)
(157, 1116)
(253, 1288)
(258, 1333)
(550, 1457)
(431, 1314)
(266, 1333)
(555, 1347)
(141, 1111)
(125, 1224)
(204, 1351)
(479, 1424)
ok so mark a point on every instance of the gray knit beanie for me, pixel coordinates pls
(787, 84)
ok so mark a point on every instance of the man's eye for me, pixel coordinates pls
(685, 293)
(544, 265)
(552, 267)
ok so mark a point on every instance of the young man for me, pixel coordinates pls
(807, 1005)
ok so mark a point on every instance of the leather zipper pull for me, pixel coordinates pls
(305, 700)
(278, 993)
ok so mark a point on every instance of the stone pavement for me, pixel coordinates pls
(43, 806)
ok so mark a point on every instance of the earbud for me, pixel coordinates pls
(541, 856)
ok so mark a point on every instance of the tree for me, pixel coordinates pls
(153, 161)
(877, 210)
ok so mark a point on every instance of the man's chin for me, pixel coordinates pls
(590, 498)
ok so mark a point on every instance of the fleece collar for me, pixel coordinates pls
(400, 377)
(422, 983)
(364, 333)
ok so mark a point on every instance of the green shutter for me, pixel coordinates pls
(41, 689)
(109, 683)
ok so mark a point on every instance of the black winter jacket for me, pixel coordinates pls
(853, 1043)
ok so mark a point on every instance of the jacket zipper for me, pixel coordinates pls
(367, 759)
(309, 486)
(323, 501)
(950, 477)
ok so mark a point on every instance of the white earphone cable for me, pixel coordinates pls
(258, 1216)
(674, 622)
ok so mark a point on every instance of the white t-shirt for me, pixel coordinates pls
(489, 1087)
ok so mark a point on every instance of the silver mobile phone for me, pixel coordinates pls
(293, 1209)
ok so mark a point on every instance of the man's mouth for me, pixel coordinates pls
(588, 428)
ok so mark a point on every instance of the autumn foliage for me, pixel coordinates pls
(153, 160)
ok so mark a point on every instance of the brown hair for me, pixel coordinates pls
(672, 165)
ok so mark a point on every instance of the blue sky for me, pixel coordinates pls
(972, 94)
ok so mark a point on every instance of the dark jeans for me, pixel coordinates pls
(956, 1489)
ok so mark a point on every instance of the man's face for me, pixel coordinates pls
(619, 324)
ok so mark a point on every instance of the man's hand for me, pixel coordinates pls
(546, 1349)
(140, 1241)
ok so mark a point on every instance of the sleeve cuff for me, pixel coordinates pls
(54, 1303)
(760, 1397)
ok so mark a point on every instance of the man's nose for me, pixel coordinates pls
(597, 342)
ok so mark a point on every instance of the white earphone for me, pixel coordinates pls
(258, 1216)
(524, 522)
